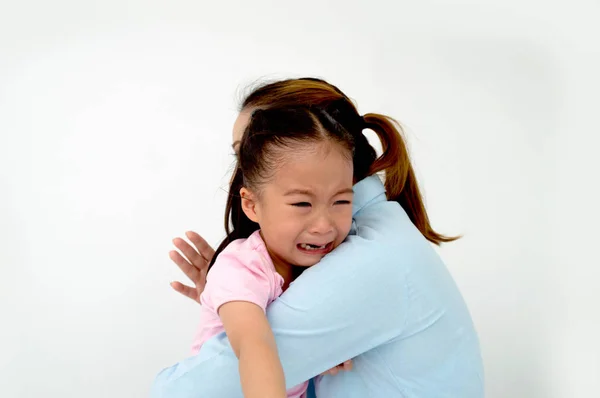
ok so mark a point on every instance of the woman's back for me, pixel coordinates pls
(436, 352)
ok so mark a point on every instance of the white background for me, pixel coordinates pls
(115, 122)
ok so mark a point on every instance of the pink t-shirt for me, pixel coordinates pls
(243, 271)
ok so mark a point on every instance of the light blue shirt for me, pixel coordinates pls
(383, 298)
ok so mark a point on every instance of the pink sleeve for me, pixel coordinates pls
(237, 276)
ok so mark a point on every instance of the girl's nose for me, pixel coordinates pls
(322, 224)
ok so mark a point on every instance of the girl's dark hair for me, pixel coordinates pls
(269, 136)
(400, 180)
(326, 100)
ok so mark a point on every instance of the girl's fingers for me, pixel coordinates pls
(187, 291)
(194, 263)
(188, 269)
(189, 252)
(347, 366)
(203, 248)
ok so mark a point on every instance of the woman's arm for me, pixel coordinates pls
(253, 343)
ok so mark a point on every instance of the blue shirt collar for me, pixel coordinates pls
(366, 191)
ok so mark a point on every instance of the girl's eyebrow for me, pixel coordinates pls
(309, 193)
(298, 192)
(347, 190)
(235, 144)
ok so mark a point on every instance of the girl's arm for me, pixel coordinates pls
(253, 343)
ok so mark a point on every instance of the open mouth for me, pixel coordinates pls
(315, 249)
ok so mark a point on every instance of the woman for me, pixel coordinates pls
(383, 298)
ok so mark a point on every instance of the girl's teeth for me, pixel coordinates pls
(306, 246)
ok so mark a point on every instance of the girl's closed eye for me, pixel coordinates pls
(343, 202)
(301, 204)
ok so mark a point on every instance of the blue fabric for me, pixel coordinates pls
(383, 298)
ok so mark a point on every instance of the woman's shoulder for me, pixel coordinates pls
(383, 233)
(386, 223)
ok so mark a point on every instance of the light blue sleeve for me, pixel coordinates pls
(322, 320)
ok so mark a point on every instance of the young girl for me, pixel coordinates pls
(290, 203)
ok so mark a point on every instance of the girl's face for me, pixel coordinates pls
(305, 209)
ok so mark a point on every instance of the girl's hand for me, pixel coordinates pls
(347, 366)
(194, 265)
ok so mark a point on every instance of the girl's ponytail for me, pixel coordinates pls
(400, 180)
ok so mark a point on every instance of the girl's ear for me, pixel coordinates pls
(249, 204)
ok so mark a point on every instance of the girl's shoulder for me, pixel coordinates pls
(252, 246)
(246, 254)
(243, 271)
